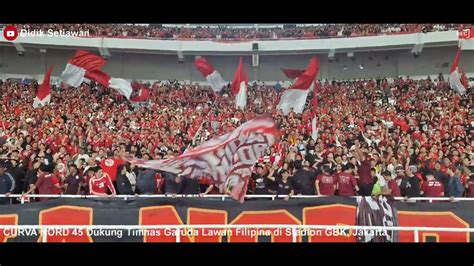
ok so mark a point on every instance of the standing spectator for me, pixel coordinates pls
(454, 187)
(191, 186)
(302, 182)
(146, 182)
(101, 183)
(365, 178)
(392, 185)
(7, 182)
(47, 183)
(470, 187)
(126, 181)
(347, 183)
(31, 176)
(325, 183)
(72, 184)
(410, 185)
(110, 166)
(18, 172)
(262, 182)
(284, 186)
(173, 183)
(432, 187)
(81, 155)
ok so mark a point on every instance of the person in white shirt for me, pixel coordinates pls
(81, 155)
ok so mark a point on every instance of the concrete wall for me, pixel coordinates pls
(162, 67)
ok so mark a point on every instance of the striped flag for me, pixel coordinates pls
(228, 159)
(454, 78)
(295, 96)
(211, 75)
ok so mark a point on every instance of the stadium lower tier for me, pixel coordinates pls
(197, 220)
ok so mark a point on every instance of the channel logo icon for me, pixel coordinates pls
(10, 33)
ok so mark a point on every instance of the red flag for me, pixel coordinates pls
(43, 95)
(87, 60)
(305, 80)
(239, 86)
(98, 76)
(292, 73)
(203, 66)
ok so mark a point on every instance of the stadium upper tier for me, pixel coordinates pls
(242, 31)
(412, 41)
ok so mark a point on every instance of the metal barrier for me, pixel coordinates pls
(214, 196)
(178, 228)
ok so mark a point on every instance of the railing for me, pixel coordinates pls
(213, 196)
(46, 229)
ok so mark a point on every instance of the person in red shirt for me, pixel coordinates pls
(47, 183)
(392, 185)
(100, 182)
(432, 187)
(347, 183)
(110, 165)
(325, 183)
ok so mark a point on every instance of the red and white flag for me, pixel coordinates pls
(295, 96)
(228, 159)
(143, 93)
(122, 85)
(43, 95)
(454, 78)
(292, 73)
(77, 67)
(211, 75)
(98, 76)
(239, 86)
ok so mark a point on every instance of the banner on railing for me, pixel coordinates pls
(198, 211)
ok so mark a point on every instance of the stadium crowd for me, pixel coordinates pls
(251, 33)
(404, 138)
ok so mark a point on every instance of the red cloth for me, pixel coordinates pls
(432, 188)
(110, 165)
(347, 184)
(46, 185)
(392, 185)
(326, 184)
(100, 185)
